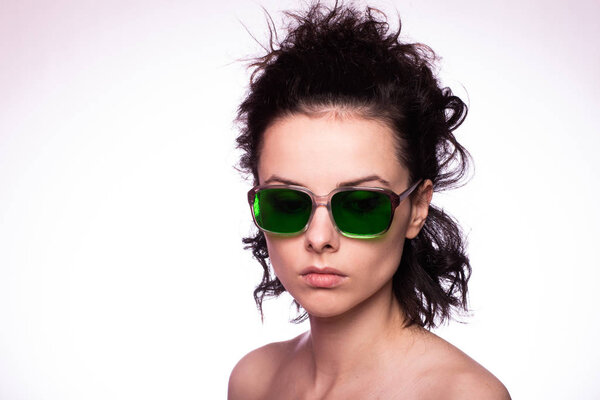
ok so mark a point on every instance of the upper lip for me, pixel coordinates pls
(325, 270)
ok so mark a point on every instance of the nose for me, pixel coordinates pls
(321, 236)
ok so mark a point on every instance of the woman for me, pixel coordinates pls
(347, 134)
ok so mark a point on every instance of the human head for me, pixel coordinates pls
(350, 62)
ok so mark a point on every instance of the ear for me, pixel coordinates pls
(419, 209)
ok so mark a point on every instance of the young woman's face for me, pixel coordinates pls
(321, 153)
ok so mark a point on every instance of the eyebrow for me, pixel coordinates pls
(355, 182)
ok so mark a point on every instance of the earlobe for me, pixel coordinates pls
(419, 209)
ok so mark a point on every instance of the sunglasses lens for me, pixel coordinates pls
(283, 211)
(361, 213)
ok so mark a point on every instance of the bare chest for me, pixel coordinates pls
(291, 382)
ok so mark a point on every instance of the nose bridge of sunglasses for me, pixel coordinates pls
(321, 200)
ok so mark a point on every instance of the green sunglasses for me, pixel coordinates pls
(356, 211)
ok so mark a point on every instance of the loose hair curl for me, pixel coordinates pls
(340, 58)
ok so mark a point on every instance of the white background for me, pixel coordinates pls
(122, 273)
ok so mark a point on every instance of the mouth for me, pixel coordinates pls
(322, 277)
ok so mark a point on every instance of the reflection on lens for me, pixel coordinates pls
(361, 212)
(281, 210)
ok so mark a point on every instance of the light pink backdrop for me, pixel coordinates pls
(122, 276)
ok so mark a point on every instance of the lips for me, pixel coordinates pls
(322, 277)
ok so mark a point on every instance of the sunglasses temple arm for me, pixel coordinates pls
(408, 191)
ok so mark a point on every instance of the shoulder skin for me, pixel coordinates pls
(250, 378)
(475, 384)
(454, 375)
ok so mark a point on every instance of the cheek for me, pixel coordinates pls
(384, 254)
(282, 252)
(377, 260)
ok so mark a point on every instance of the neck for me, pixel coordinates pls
(357, 341)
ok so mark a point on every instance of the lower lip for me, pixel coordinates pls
(323, 280)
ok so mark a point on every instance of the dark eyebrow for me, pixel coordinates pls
(355, 182)
(275, 178)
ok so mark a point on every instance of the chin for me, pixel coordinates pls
(323, 309)
(323, 314)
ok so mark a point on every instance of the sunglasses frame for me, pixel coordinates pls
(395, 198)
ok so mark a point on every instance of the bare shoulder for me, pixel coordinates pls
(252, 375)
(448, 373)
(475, 384)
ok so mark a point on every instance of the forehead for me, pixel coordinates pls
(321, 151)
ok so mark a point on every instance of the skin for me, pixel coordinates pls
(358, 346)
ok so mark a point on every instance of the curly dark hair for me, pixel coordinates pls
(344, 58)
